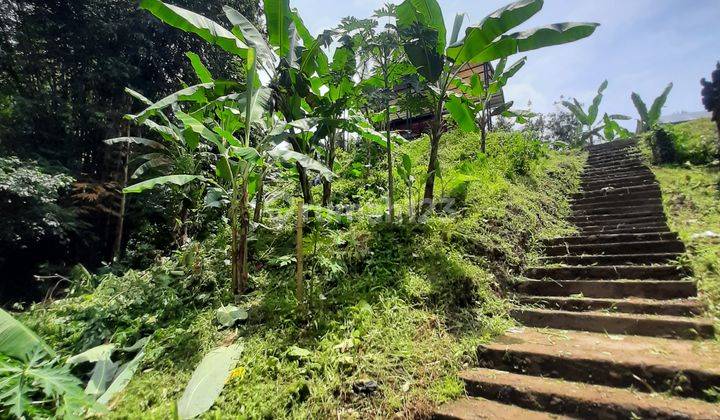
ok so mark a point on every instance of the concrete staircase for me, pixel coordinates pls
(612, 325)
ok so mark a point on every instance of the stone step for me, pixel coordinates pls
(612, 174)
(647, 364)
(617, 191)
(630, 166)
(625, 154)
(613, 163)
(615, 177)
(620, 209)
(633, 228)
(607, 272)
(626, 201)
(613, 289)
(618, 182)
(677, 307)
(609, 217)
(608, 160)
(617, 323)
(580, 400)
(641, 247)
(616, 259)
(612, 145)
(482, 409)
(610, 238)
(627, 219)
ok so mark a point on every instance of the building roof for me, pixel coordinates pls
(681, 117)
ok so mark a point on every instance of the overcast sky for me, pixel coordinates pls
(641, 46)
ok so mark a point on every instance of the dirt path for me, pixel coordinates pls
(612, 325)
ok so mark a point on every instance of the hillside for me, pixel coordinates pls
(395, 310)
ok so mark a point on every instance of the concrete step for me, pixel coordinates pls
(607, 272)
(598, 159)
(616, 259)
(580, 400)
(616, 222)
(619, 209)
(613, 289)
(616, 191)
(641, 247)
(647, 364)
(482, 409)
(615, 173)
(633, 214)
(619, 229)
(617, 323)
(613, 163)
(618, 182)
(626, 201)
(677, 307)
(631, 166)
(609, 238)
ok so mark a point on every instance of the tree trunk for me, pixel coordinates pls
(183, 236)
(327, 185)
(243, 242)
(304, 184)
(391, 183)
(259, 199)
(432, 164)
(299, 284)
(483, 136)
(117, 245)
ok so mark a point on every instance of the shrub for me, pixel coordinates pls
(695, 141)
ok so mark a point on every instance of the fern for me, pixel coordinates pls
(40, 387)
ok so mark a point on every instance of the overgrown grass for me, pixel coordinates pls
(692, 202)
(695, 141)
(404, 306)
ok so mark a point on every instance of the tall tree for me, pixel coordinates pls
(711, 98)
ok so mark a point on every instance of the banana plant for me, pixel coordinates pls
(607, 125)
(425, 41)
(649, 119)
(471, 104)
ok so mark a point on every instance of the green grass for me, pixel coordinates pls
(695, 141)
(404, 305)
(692, 203)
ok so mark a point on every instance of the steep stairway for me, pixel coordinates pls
(613, 328)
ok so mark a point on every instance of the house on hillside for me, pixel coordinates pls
(413, 123)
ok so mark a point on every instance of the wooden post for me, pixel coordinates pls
(299, 284)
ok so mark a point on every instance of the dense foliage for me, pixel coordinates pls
(401, 305)
(39, 225)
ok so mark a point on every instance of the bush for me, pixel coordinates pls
(693, 141)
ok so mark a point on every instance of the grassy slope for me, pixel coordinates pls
(404, 306)
(691, 195)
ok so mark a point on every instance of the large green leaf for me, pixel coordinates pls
(277, 20)
(428, 62)
(641, 107)
(136, 140)
(593, 109)
(179, 180)
(305, 161)
(208, 381)
(532, 39)
(460, 112)
(242, 27)
(479, 37)
(124, 375)
(191, 93)
(457, 25)
(192, 22)
(577, 111)
(201, 71)
(658, 104)
(17, 340)
(92, 355)
(426, 13)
